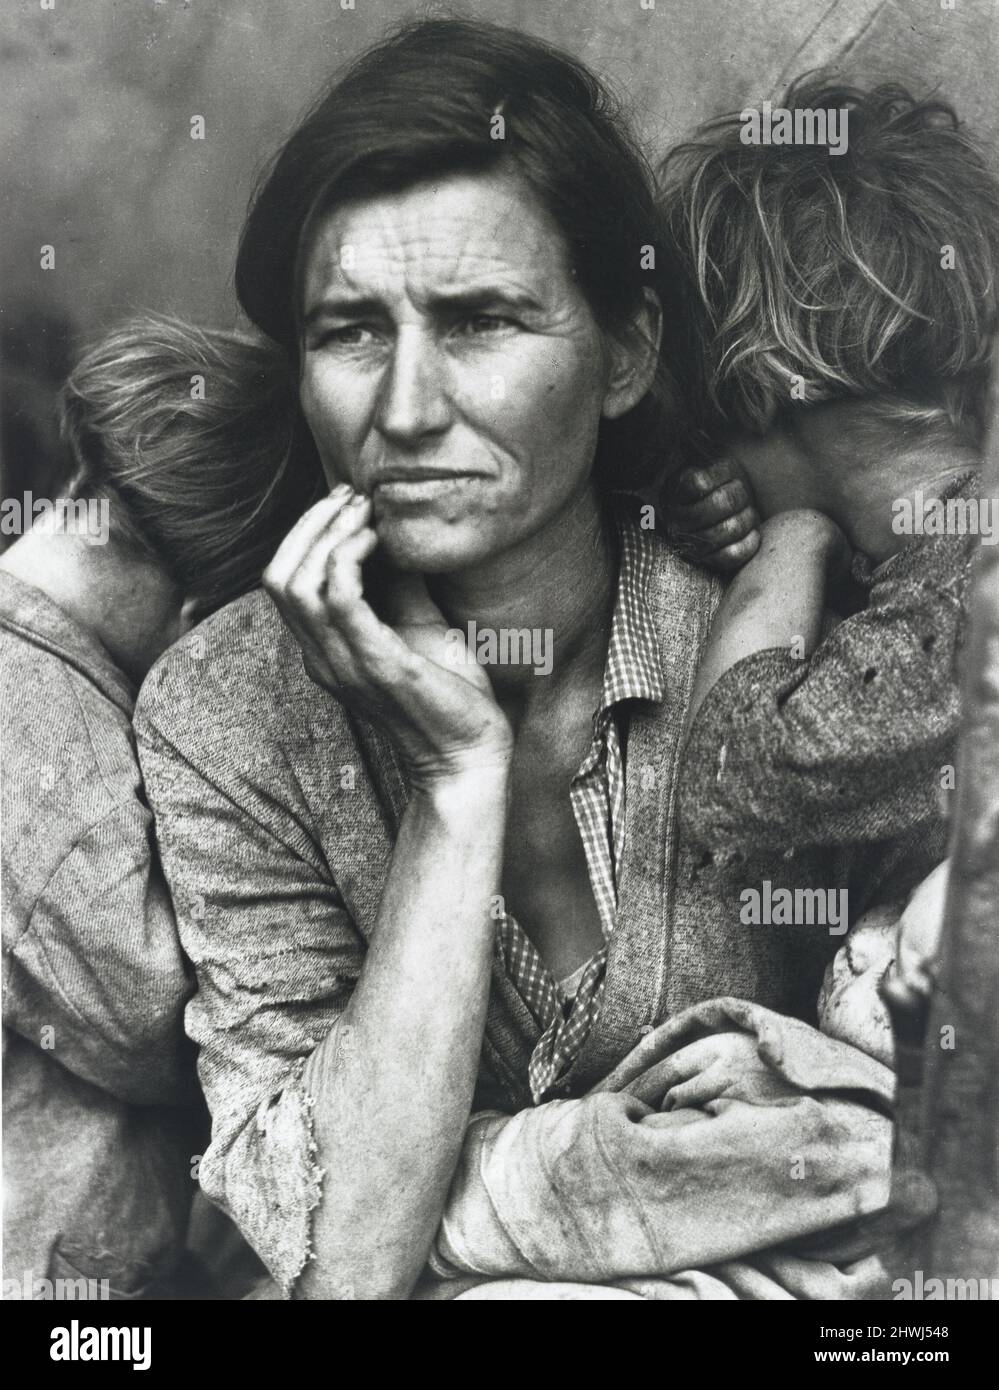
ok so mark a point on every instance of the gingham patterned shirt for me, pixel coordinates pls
(633, 672)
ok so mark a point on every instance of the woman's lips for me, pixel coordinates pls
(421, 487)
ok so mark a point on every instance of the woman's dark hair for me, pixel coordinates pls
(454, 96)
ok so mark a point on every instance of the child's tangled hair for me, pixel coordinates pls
(866, 274)
(194, 436)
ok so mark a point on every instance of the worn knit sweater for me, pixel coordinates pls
(276, 815)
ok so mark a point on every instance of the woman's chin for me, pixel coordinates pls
(429, 545)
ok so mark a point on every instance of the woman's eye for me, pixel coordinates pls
(349, 335)
(487, 323)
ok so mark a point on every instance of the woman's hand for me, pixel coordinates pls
(414, 677)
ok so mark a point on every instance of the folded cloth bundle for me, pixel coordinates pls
(613, 1196)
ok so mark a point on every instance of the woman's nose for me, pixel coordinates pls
(414, 400)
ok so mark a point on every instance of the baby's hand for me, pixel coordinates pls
(724, 1066)
(909, 982)
(713, 506)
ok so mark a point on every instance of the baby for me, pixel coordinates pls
(839, 318)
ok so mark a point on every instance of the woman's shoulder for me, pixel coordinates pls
(681, 594)
(237, 675)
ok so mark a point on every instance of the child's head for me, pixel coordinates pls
(812, 276)
(191, 435)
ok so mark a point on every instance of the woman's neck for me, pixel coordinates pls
(559, 585)
(126, 602)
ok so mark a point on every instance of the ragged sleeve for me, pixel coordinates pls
(275, 951)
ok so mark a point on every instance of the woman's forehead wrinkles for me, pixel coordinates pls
(431, 264)
(430, 241)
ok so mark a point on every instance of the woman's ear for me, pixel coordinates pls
(633, 358)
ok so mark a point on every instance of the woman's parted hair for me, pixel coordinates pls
(834, 267)
(192, 436)
(421, 104)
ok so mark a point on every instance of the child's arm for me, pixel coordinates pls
(777, 599)
(853, 742)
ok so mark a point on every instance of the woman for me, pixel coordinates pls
(413, 887)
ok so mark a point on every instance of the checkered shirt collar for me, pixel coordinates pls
(634, 669)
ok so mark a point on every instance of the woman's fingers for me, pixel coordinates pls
(401, 678)
(343, 584)
(315, 579)
(307, 584)
(319, 581)
(300, 539)
(687, 1062)
(724, 1064)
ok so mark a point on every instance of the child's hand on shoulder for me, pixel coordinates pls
(713, 508)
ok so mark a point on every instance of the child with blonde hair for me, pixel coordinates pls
(835, 353)
(185, 437)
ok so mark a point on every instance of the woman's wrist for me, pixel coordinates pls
(466, 779)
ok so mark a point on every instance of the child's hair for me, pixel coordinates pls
(192, 435)
(832, 268)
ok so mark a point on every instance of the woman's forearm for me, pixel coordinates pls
(393, 1081)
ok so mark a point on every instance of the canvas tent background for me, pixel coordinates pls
(96, 99)
(96, 102)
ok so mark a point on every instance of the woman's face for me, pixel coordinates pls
(452, 369)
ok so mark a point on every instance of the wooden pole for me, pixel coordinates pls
(959, 1139)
